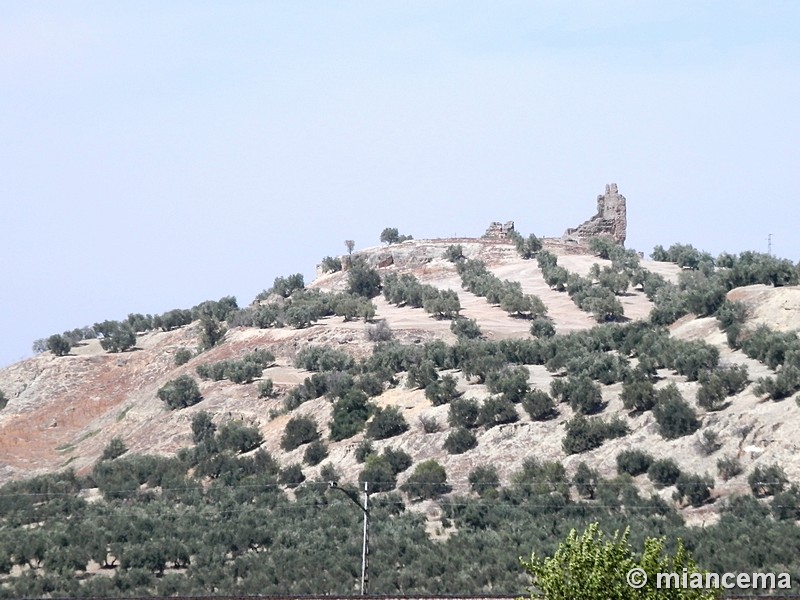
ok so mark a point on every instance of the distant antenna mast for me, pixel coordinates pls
(769, 244)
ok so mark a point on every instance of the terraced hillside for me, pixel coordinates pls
(65, 410)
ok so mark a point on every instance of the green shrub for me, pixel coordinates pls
(442, 390)
(430, 424)
(398, 459)
(633, 462)
(585, 434)
(180, 392)
(580, 392)
(638, 395)
(211, 332)
(329, 473)
(421, 374)
(548, 478)
(292, 476)
(511, 382)
(3, 400)
(380, 332)
(543, 327)
(673, 414)
(266, 388)
(245, 370)
(390, 235)
(315, 453)
(386, 422)
(484, 480)
(203, 428)
(364, 450)
(717, 384)
(731, 314)
(171, 319)
(783, 385)
(529, 246)
(238, 438)
(299, 431)
(221, 309)
(459, 440)
(117, 337)
(708, 443)
(454, 253)
(496, 411)
(59, 345)
(463, 413)
(767, 481)
(602, 246)
(363, 280)
(444, 305)
(321, 358)
(585, 480)
(466, 328)
(786, 504)
(728, 467)
(115, 448)
(331, 264)
(539, 405)
(350, 414)
(378, 473)
(182, 356)
(428, 481)
(696, 489)
(663, 472)
(691, 358)
(283, 286)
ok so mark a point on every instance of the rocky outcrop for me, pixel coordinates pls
(610, 220)
(499, 231)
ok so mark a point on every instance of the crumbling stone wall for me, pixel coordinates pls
(610, 220)
(499, 231)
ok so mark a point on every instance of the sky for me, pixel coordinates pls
(157, 154)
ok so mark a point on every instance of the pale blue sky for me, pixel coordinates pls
(157, 154)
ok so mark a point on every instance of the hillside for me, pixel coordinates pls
(65, 412)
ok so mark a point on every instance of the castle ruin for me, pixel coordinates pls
(499, 231)
(610, 220)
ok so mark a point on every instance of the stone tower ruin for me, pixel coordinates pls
(610, 220)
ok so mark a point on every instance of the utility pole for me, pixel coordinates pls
(769, 244)
(365, 542)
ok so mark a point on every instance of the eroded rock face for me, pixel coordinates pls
(610, 220)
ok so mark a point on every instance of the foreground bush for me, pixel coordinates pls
(592, 567)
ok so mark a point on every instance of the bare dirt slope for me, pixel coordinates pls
(63, 411)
